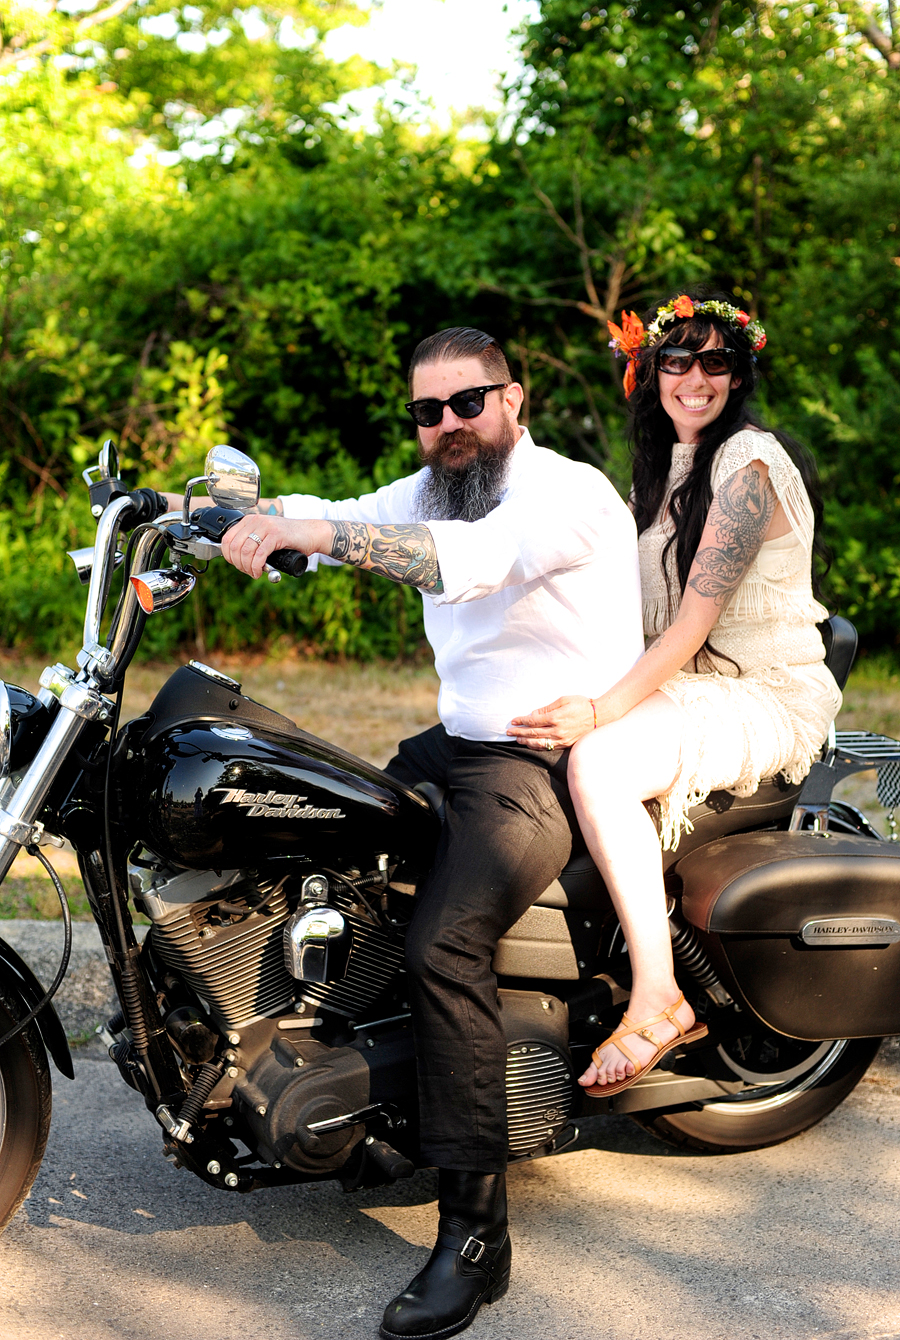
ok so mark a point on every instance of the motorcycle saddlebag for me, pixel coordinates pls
(806, 926)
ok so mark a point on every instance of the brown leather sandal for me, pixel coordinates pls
(692, 1034)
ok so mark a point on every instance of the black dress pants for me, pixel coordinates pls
(507, 835)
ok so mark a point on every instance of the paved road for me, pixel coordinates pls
(620, 1239)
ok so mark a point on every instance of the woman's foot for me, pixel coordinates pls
(614, 1064)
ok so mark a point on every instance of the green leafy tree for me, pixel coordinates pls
(195, 246)
(754, 147)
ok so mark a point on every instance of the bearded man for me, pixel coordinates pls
(527, 566)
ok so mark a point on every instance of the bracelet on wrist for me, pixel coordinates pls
(594, 710)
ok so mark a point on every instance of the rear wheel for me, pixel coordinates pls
(25, 1104)
(790, 1085)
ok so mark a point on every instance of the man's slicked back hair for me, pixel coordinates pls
(462, 342)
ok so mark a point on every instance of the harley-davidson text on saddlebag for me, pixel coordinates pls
(804, 927)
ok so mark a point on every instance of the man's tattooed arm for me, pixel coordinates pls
(402, 553)
(739, 518)
(267, 507)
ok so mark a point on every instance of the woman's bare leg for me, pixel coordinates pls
(611, 773)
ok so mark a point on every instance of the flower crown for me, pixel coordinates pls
(631, 335)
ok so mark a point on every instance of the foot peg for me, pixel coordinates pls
(393, 1164)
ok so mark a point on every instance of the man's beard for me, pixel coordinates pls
(468, 492)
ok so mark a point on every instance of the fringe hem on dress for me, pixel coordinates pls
(756, 602)
(740, 730)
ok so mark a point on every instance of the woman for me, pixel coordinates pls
(733, 687)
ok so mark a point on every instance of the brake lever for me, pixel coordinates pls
(213, 523)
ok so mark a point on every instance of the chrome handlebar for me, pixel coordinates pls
(101, 573)
(79, 696)
(123, 631)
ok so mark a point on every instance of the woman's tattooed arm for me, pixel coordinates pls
(402, 553)
(738, 518)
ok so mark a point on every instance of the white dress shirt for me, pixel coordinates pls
(541, 597)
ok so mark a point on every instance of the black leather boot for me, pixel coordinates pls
(469, 1265)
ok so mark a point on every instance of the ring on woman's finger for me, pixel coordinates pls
(548, 744)
(253, 536)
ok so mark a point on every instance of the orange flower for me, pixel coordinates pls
(743, 318)
(761, 342)
(630, 381)
(684, 306)
(629, 335)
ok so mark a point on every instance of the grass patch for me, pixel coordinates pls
(81, 1037)
(872, 696)
(35, 898)
(28, 891)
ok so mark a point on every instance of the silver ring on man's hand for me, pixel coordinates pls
(253, 536)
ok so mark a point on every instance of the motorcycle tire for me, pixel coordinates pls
(768, 1115)
(25, 1106)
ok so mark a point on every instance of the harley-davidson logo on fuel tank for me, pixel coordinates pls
(274, 805)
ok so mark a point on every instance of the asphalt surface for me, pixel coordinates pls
(620, 1238)
(85, 997)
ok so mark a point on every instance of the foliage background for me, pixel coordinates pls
(196, 246)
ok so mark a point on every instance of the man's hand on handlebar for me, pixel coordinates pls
(248, 544)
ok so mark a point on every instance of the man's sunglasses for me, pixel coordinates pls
(465, 405)
(714, 362)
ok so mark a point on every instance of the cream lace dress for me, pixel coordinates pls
(773, 715)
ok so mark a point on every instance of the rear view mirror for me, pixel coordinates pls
(232, 479)
(108, 464)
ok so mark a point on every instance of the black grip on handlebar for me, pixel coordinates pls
(148, 505)
(289, 561)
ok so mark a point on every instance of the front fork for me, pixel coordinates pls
(19, 826)
(79, 704)
(165, 1079)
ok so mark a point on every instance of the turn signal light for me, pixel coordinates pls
(163, 588)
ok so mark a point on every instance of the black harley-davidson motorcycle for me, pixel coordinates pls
(264, 1018)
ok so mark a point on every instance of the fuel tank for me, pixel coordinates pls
(213, 779)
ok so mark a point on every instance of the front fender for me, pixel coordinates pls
(21, 979)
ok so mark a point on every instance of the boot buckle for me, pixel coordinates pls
(472, 1249)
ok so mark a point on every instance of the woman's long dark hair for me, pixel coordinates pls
(652, 434)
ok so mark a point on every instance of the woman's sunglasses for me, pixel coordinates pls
(714, 362)
(465, 405)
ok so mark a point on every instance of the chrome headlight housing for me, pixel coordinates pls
(24, 722)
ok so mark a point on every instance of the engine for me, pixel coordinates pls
(223, 935)
(228, 937)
